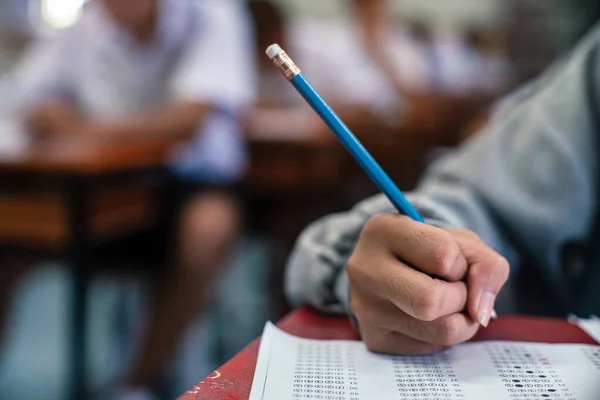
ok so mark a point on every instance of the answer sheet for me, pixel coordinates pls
(293, 368)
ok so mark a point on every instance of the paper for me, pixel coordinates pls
(590, 326)
(294, 368)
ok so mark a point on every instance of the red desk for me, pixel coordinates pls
(234, 379)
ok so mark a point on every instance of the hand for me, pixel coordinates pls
(417, 289)
(53, 118)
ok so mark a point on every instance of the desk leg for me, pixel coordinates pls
(78, 253)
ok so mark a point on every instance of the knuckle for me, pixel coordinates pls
(376, 224)
(448, 331)
(355, 269)
(445, 255)
(427, 302)
(469, 234)
(357, 306)
(374, 343)
(388, 343)
(502, 269)
(353, 265)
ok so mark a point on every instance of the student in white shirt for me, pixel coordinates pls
(141, 69)
(494, 71)
(333, 55)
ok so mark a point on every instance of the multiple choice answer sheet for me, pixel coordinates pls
(294, 368)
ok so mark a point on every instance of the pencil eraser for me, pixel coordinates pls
(273, 50)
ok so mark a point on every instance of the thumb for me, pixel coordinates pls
(488, 272)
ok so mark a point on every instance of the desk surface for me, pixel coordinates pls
(233, 380)
(85, 157)
(89, 157)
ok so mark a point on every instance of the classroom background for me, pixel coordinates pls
(446, 62)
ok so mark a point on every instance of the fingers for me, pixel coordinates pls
(446, 331)
(488, 272)
(426, 248)
(411, 283)
(52, 117)
(443, 332)
(388, 342)
(417, 294)
(423, 297)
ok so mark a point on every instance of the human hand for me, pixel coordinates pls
(417, 289)
(53, 118)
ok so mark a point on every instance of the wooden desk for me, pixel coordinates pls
(233, 380)
(290, 183)
(66, 198)
(33, 207)
(283, 167)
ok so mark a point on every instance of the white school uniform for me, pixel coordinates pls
(203, 51)
(334, 59)
(330, 54)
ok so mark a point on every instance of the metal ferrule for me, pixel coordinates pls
(286, 65)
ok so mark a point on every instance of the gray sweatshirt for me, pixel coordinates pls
(526, 185)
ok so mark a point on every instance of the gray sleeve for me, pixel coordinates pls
(526, 184)
(316, 268)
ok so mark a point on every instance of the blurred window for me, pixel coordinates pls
(60, 14)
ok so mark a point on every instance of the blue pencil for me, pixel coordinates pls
(350, 142)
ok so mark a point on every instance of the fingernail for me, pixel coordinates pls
(494, 315)
(486, 304)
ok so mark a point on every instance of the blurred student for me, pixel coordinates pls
(442, 61)
(415, 61)
(525, 193)
(331, 53)
(492, 70)
(409, 53)
(173, 69)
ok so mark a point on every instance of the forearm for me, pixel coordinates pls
(315, 274)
